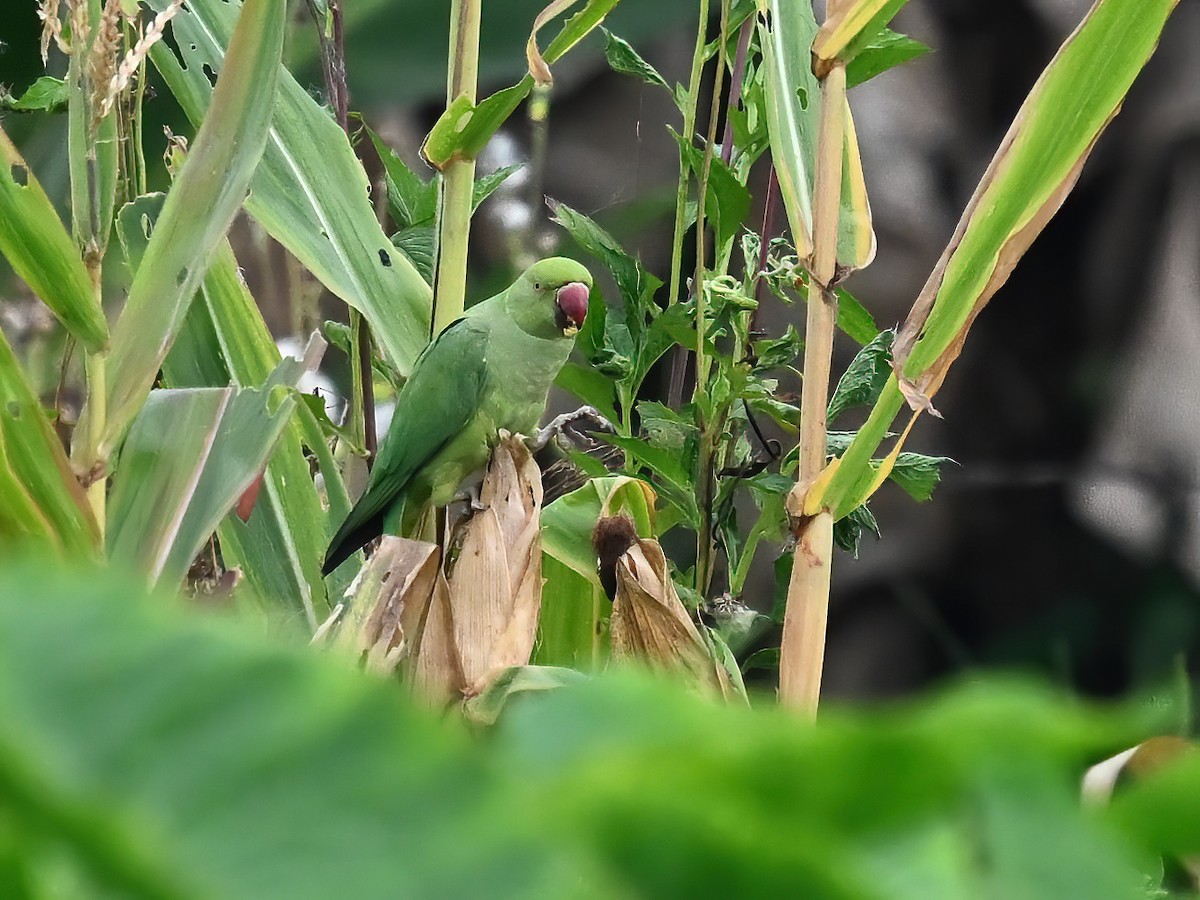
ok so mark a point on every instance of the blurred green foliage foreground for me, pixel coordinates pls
(152, 751)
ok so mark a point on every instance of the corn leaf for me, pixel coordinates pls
(40, 499)
(224, 341)
(786, 31)
(1036, 166)
(309, 192)
(189, 456)
(202, 203)
(42, 253)
(850, 27)
(464, 129)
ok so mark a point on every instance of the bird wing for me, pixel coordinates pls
(438, 400)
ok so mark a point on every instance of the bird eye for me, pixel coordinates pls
(537, 285)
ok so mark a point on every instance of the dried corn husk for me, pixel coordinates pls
(651, 625)
(449, 629)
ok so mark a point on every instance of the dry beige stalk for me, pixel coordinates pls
(102, 58)
(650, 624)
(136, 56)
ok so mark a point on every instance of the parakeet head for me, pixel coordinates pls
(551, 298)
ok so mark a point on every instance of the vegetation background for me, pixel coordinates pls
(1056, 414)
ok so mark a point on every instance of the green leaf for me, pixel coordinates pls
(591, 387)
(190, 455)
(793, 108)
(624, 59)
(486, 708)
(854, 27)
(884, 51)
(37, 246)
(419, 246)
(207, 194)
(848, 531)
(918, 474)
(672, 477)
(573, 624)
(40, 499)
(464, 129)
(47, 94)
(225, 341)
(634, 283)
(727, 201)
(853, 318)
(412, 200)
(487, 184)
(310, 192)
(863, 381)
(776, 353)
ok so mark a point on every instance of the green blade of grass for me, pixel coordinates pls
(310, 191)
(198, 211)
(40, 499)
(38, 247)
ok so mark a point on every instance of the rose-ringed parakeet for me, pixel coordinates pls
(490, 369)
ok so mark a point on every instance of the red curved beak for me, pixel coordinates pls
(573, 301)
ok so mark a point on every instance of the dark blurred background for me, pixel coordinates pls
(1067, 539)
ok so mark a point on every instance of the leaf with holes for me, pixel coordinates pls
(309, 191)
(40, 500)
(42, 253)
(205, 197)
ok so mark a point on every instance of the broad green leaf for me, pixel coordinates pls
(205, 197)
(464, 129)
(793, 114)
(190, 455)
(573, 624)
(224, 341)
(863, 381)
(624, 59)
(633, 281)
(884, 51)
(567, 523)
(412, 200)
(40, 499)
(727, 201)
(151, 754)
(1035, 168)
(851, 26)
(854, 319)
(672, 476)
(918, 474)
(309, 192)
(591, 387)
(47, 94)
(42, 253)
(419, 246)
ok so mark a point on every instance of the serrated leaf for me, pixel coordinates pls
(412, 200)
(884, 51)
(848, 531)
(633, 282)
(487, 184)
(624, 59)
(863, 381)
(47, 94)
(727, 200)
(419, 246)
(918, 474)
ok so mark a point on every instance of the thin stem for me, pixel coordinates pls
(803, 649)
(458, 179)
(331, 36)
(679, 363)
(737, 76)
(97, 400)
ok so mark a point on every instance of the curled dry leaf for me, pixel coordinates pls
(651, 625)
(537, 65)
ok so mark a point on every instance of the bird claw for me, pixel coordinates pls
(558, 426)
(470, 496)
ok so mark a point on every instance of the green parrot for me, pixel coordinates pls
(490, 369)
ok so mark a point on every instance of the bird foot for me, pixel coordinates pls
(470, 496)
(558, 426)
